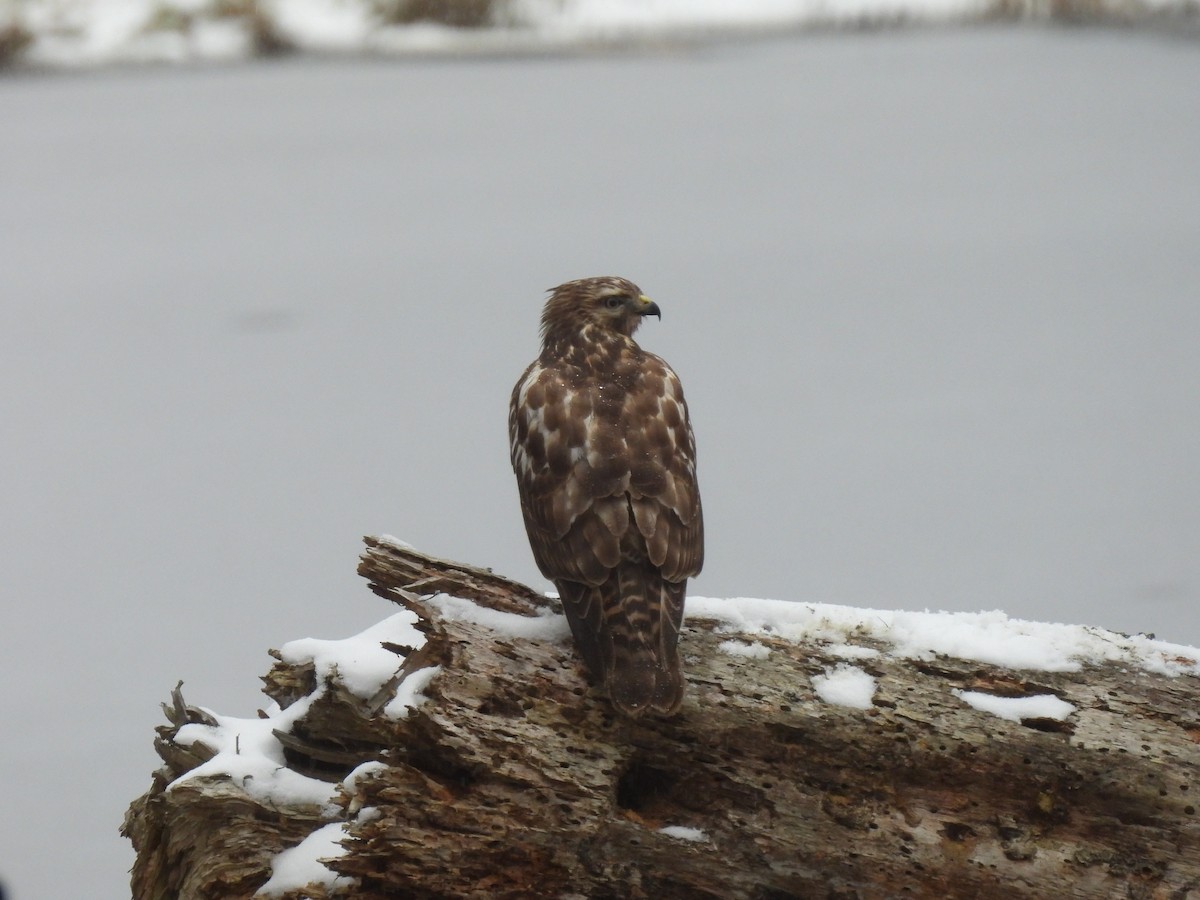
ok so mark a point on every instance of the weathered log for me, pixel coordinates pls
(515, 779)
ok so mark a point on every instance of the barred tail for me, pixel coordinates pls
(627, 630)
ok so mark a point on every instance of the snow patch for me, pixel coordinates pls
(987, 637)
(684, 833)
(246, 751)
(300, 866)
(753, 649)
(640, 17)
(359, 663)
(845, 685)
(851, 651)
(366, 770)
(1038, 706)
(93, 32)
(395, 542)
(248, 754)
(409, 693)
(324, 24)
(546, 626)
(350, 787)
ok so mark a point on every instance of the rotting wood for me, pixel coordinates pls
(515, 779)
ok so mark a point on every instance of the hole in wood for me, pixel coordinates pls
(642, 785)
(957, 831)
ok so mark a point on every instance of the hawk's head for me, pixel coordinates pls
(610, 303)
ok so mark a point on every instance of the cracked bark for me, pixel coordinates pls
(515, 779)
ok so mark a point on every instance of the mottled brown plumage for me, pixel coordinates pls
(606, 468)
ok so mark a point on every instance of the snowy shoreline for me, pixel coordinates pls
(56, 34)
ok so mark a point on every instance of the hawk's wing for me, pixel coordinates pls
(587, 456)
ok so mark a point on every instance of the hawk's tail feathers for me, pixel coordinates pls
(668, 692)
(627, 631)
(583, 607)
(639, 683)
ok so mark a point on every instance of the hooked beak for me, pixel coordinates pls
(647, 307)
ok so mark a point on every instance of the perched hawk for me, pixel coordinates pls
(606, 469)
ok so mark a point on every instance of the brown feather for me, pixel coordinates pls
(605, 460)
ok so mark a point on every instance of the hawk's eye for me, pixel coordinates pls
(614, 301)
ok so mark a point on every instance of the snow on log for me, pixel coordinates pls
(455, 750)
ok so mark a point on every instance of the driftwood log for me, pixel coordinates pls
(515, 779)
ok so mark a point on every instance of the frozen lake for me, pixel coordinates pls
(933, 297)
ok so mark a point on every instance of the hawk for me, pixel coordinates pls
(606, 469)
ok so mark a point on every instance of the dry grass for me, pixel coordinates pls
(456, 13)
(14, 38)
